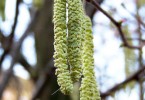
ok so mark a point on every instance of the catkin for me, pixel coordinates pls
(88, 89)
(74, 49)
(129, 54)
(75, 15)
(60, 46)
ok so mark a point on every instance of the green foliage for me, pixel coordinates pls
(2, 8)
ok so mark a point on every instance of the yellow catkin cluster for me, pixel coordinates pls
(88, 89)
(74, 48)
(75, 14)
(60, 46)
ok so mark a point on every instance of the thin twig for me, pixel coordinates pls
(135, 76)
(140, 56)
(9, 40)
(131, 39)
(15, 56)
(25, 64)
(117, 24)
(2, 37)
(134, 15)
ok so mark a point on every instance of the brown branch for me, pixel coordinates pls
(90, 10)
(135, 76)
(134, 15)
(9, 40)
(26, 65)
(15, 56)
(117, 24)
(21, 58)
(140, 58)
(131, 39)
(40, 85)
(2, 37)
(43, 81)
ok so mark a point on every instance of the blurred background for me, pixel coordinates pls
(27, 70)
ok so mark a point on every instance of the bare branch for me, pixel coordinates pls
(131, 39)
(2, 37)
(135, 76)
(90, 10)
(26, 65)
(44, 79)
(15, 56)
(9, 40)
(117, 24)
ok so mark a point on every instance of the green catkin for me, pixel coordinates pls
(129, 54)
(75, 15)
(88, 89)
(60, 46)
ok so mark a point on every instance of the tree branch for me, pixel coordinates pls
(135, 76)
(15, 56)
(131, 39)
(2, 37)
(9, 40)
(43, 81)
(26, 65)
(90, 10)
(117, 24)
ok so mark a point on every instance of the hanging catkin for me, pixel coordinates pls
(60, 46)
(88, 89)
(75, 14)
(129, 54)
(74, 49)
